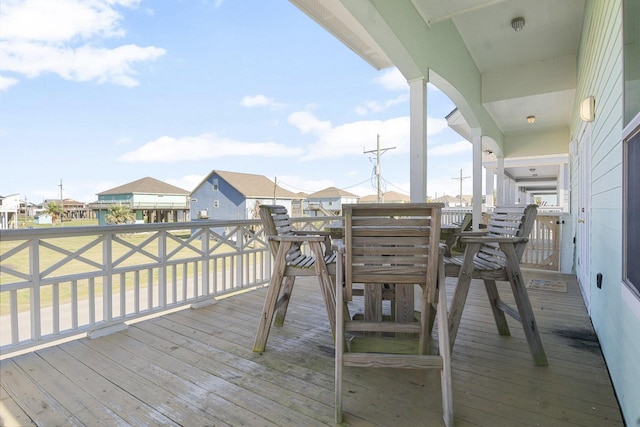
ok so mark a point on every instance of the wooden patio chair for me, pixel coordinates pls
(290, 262)
(494, 254)
(394, 244)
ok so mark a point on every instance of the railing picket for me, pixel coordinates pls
(74, 304)
(55, 295)
(107, 281)
(34, 269)
(92, 301)
(123, 295)
(136, 291)
(13, 301)
(149, 288)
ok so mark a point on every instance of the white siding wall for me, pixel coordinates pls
(613, 310)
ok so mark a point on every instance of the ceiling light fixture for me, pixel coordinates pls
(531, 119)
(517, 23)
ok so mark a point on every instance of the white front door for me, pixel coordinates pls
(583, 232)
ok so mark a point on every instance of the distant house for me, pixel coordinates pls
(43, 218)
(150, 200)
(328, 201)
(454, 201)
(72, 208)
(233, 195)
(9, 207)
(388, 197)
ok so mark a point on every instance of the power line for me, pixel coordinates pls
(281, 183)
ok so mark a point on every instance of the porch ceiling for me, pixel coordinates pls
(527, 73)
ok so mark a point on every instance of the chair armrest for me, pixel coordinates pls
(311, 233)
(471, 233)
(493, 239)
(298, 239)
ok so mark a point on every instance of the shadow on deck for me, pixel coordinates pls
(196, 367)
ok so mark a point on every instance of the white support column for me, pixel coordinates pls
(500, 182)
(418, 141)
(476, 141)
(488, 187)
(563, 188)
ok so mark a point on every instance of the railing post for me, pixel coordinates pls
(34, 267)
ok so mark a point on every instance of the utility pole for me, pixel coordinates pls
(275, 186)
(462, 178)
(379, 152)
(61, 205)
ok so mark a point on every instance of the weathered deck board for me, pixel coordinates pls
(196, 367)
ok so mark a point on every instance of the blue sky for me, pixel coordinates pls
(98, 93)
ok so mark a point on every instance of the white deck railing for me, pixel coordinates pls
(61, 282)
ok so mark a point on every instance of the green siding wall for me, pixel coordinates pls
(614, 311)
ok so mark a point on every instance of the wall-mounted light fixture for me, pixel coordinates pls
(588, 109)
(531, 119)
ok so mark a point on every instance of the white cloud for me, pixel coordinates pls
(308, 123)
(376, 106)
(64, 37)
(167, 149)
(7, 82)
(392, 80)
(259, 101)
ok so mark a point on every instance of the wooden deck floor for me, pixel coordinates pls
(196, 368)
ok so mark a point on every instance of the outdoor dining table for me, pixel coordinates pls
(406, 299)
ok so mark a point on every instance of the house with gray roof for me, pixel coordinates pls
(151, 200)
(328, 201)
(234, 195)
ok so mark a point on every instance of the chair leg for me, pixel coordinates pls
(444, 346)
(339, 340)
(283, 300)
(268, 310)
(524, 305)
(498, 314)
(326, 285)
(462, 289)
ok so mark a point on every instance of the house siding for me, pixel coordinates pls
(613, 310)
(231, 204)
